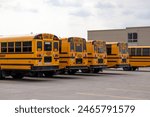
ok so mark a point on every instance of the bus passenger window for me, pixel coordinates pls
(146, 51)
(47, 46)
(39, 46)
(10, 46)
(27, 46)
(17, 46)
(55, 46)
(132, 51)
(3, 47)
(138, 53)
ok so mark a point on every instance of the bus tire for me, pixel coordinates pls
(134, 68)
(85, 71)
(2, 77)
(71, 72)
(49, 73)
(17, 76)
(127, 68)
(96, 70)
(62, 72)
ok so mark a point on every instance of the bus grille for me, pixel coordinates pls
(47, 59)
(100, 61)
(79, 61)
(124, 60)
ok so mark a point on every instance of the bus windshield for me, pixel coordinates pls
(78, 47)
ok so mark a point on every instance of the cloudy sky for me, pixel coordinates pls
(71, 17)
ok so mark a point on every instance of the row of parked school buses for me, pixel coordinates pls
(45, 54)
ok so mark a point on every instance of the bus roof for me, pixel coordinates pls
(31, 36)
(138, 46)
(95, 41)
(114, 42)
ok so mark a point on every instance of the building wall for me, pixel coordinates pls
(121, 35)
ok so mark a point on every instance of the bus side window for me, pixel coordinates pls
(10, 46)
(132, 51)
(109, 49)
(3, 47)
(138, 52)
(17, 46)
(39, 46)
(146, 51)
(27, 46)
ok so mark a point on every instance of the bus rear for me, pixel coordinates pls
(72, 54)
(96, 54)
(117, 54)
(48, 51)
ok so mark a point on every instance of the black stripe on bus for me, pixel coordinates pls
(18, 53)
(63, 62)
(67, 57)
(63, 52)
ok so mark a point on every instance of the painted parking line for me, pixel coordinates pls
(128, 90)
(105, 95)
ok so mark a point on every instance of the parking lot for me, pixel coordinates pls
(110, 84)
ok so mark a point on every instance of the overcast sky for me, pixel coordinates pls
(71, 17)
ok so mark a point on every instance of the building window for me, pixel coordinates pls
(132, 37)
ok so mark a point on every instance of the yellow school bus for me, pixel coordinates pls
(96, 54)
(72, 54)
(26, 55)
(139, 56)
(117, 54)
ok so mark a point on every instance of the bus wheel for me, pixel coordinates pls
(134, 68)
(127, 68)
(96, 70)
(49, 73)
(85, 71)
(17, 76)
(2, 77)
(71, 72)
(62, 72)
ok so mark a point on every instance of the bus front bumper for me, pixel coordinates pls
(98, 66)
(76, 67)
(122, 65)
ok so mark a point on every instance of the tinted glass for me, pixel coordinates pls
(78, 47)
(39, 46)
(55, 45)
(10, 46)
(17, 46)
(47, 46)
